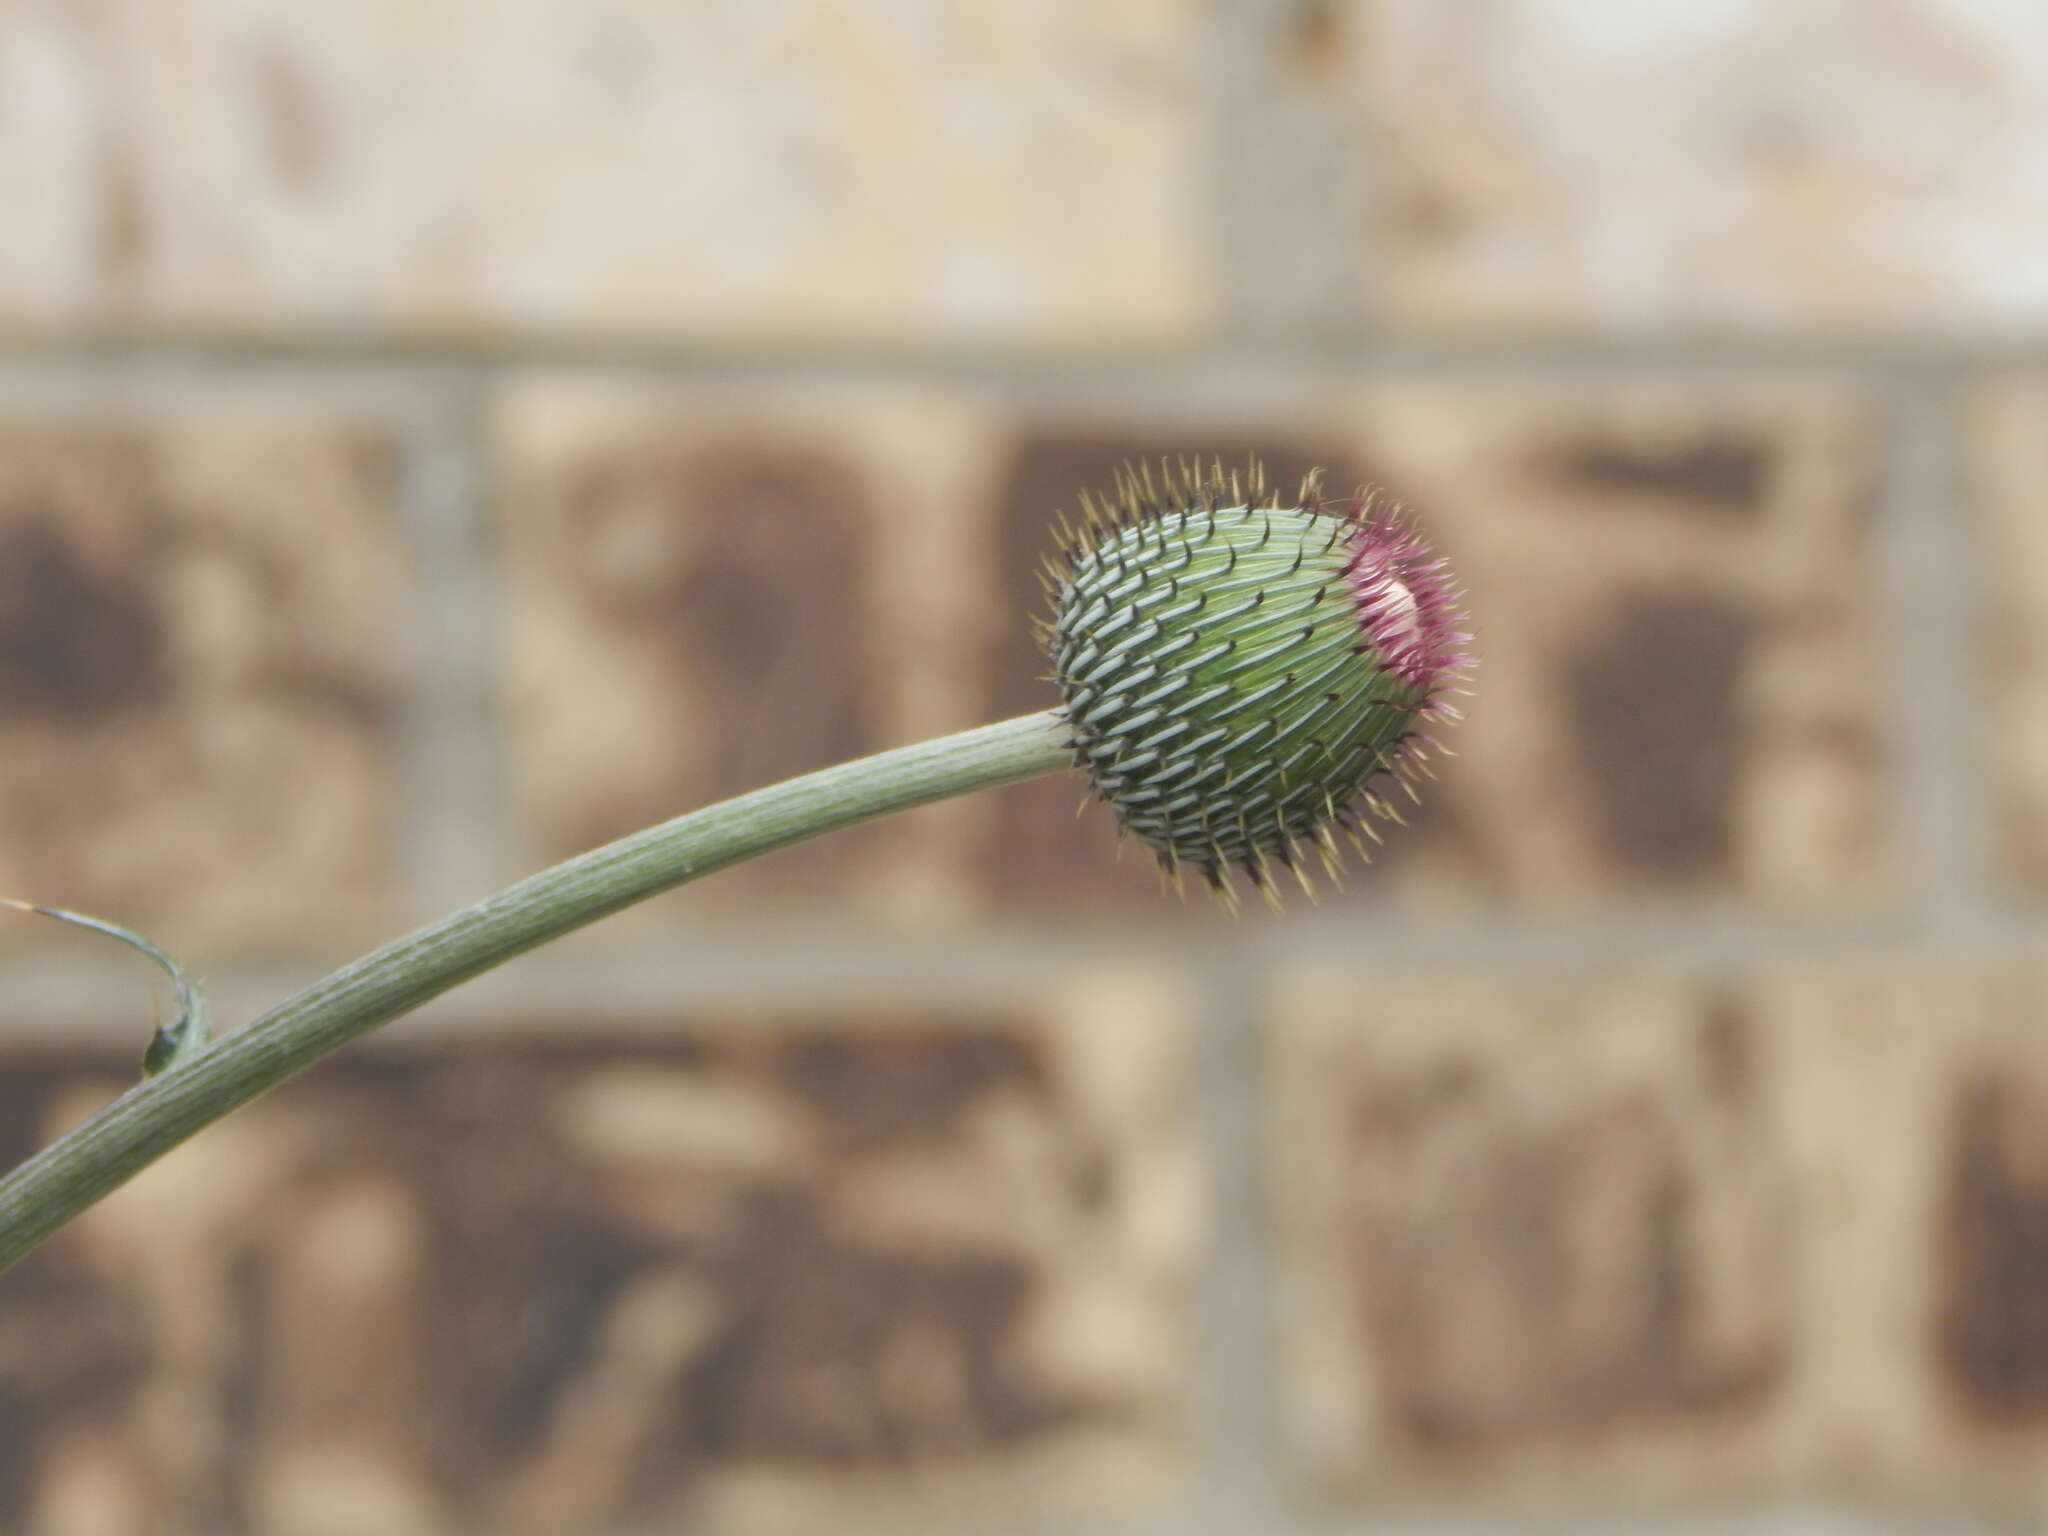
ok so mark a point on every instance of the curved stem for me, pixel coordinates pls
(158, 1113)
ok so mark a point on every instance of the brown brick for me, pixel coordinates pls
(1540, 1237)
(2009, 464)
(1673, 592)
(711, 590)
(1919, 1095)
(197, 620)
(1626, 1240)
(907, 169)
(781, 1267)
(1608, 168)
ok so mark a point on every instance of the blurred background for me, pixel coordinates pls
(435, 437)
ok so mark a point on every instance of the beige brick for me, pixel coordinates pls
(905, 169)
(1673, 591)
(197, 670)
(1919, 1094)
(802, 1269)
(1746, 164)
(710, 589)
(2009, 464)
(1538, 1239)
(1636, 1240)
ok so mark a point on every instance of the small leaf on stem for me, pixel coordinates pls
(188, 1033)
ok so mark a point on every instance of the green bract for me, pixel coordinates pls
(1237, 671)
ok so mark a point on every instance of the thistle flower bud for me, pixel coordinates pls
(1240, 672)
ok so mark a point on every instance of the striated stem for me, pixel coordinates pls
(158, 1113)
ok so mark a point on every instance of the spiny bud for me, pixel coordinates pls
(1239, 670)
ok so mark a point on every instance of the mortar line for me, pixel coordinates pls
(1785, 1517)
(1283, 188)
(655, 976)
(447, 837)
(505, 855)
(1325, 352)
(1923, 546)
(1236, 1404)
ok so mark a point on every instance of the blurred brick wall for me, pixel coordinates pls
(436, 437)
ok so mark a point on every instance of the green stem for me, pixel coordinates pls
(158, 1113)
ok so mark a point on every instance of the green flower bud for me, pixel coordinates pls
(1240, 672)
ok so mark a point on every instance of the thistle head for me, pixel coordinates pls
(1246, 675)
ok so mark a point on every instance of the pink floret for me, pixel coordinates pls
(1406, 605)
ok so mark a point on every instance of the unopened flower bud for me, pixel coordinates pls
(1243, 675)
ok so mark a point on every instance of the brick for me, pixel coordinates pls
(708, 590)
(906, 170)
(1538, 1239)
(1920, 1091)
(198, 672)
(1673, 588)
(761, 1268)
(1753, 166)
(2007, 467)
(1650, 1240)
